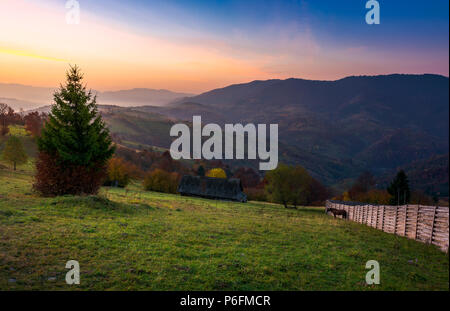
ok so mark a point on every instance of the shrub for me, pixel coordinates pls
(318, 193)
(53, 178)
(120, 172)
(166, 163)
(375, 196)
(249, 178)
(216, 173)
(161, 181)
(419, 197)
(363, 184)
(346, 196)
(4, 130)
(255, 194)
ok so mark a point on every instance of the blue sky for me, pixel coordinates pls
(421, 20)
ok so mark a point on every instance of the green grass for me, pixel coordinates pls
(129, 239)
(136, 240)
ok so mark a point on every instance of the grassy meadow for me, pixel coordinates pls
(130, 239)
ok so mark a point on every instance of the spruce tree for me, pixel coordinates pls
(75, 139)
(14, 152)
(399, 189)
(201, 171)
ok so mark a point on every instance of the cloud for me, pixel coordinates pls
(30, 54)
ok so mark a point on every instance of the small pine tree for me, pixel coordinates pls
(399, 189)
(76, 139)
(14, 152)
(201, 171)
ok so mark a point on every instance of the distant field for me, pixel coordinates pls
(136, 240)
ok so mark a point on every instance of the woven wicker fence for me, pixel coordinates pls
(428, 224)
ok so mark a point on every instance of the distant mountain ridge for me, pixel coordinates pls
(140, 97)
(420, 99)
(335, 129)
(338, 128)
(24, 96)
(30, 97)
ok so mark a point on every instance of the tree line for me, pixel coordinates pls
(13, 150)
(32, 121)
(398, 192)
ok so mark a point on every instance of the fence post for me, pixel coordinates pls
(364, 215)
(406, 218)
(376, 219)
(382, 219)
(361, 214)
(365, 210)
(371, 216)
(417, 221)
(395, 220)
(432, 225)
(368, 213)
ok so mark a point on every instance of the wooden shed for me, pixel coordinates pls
(212, 188)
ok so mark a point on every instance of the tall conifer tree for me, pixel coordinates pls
(75, 144)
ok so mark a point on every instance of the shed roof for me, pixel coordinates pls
(214, 188)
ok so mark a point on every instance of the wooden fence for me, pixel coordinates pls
(428, 224)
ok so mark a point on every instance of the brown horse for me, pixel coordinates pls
(335, 212)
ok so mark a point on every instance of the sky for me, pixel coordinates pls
(195, 46)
